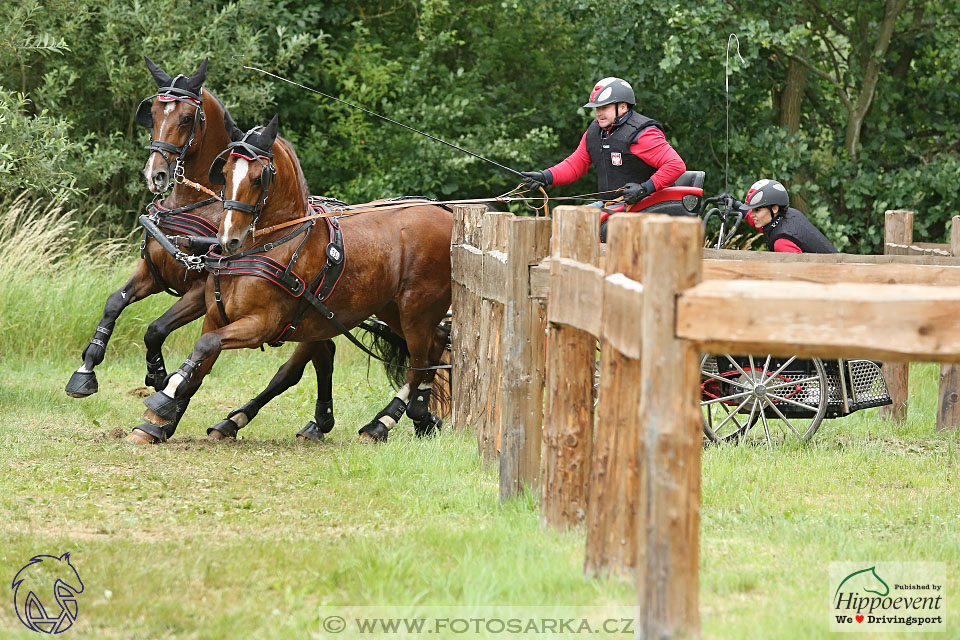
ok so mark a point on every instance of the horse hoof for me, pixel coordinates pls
(427, 427)
(162, 405)
(310, 432)
(140, 437)
(374, 432)
(82, 384)
(154, 419)
(223, 430)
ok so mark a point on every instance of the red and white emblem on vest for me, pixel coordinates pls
(616, 159)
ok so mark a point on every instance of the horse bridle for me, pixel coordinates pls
(247, 151)
(165, 149)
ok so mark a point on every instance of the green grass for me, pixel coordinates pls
(246, 539)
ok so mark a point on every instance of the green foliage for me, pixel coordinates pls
(503, 79)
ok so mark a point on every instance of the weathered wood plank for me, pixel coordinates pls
(523, 368)
(571, 356)
(890, 273)
(466, 305)
(670, 437)
(577, 295)
(825, 258)
(900, 323)
(614, 467)
(897, 228)
(486, 396)
(948, 396)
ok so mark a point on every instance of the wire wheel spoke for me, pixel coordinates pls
(783, 366)
(733, 397)
(739, 368)
(813, 410)
(785, 419)
(766, 428)
(732, 414)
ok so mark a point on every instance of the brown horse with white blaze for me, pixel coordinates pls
(188, 122)
(396, 266)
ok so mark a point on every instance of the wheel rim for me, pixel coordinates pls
(787, 403)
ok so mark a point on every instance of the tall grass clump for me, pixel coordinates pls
(55, 274)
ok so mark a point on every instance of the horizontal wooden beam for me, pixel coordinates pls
(577, 295)
(889, 273)
(622, 310)
(907, 323)
(826, 258)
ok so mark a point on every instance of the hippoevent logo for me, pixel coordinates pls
(887, 596)
(45, 593)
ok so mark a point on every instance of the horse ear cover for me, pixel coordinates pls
(144, 115)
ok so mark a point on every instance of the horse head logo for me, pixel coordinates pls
(45, 593)
(865, 580)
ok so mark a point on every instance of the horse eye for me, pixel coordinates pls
(186, 119)
(256, 180)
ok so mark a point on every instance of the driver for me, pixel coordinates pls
(628, 149)
(768, 209)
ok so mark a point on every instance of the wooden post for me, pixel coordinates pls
(897, 229)
(465, 256)
(523, 352)
(948, 400)
(668, 529)
(614, 474)
(571, 359)
(494, 244)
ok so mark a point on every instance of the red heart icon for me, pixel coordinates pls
(859, 618)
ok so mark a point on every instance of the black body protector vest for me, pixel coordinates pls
(610, 153)
(794, 226)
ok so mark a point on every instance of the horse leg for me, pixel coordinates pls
(184, 311)
(424, 352)
(141, 284)
(425, 342)
(323, 420)
(166, 407)
(287, 375)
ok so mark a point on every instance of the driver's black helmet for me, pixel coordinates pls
(610, 90)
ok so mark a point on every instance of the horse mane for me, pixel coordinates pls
(228, 123)
(301, 180)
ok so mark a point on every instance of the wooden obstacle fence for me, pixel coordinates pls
(634, 476)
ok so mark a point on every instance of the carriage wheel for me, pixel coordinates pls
(782, 402)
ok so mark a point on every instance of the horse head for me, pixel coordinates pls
(47, 581)
(247, 172)
(175, 118)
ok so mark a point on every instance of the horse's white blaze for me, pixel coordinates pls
(239, 173)
(227, 225)
(171, 389)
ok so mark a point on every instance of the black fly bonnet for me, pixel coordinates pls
(250, 148)
(179, 89)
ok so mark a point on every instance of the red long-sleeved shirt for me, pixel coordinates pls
(651, 146)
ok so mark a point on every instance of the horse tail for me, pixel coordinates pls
(390, 348)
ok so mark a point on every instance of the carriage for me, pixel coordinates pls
(785, 396)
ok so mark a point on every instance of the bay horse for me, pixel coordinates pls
(189, 128)
(395, 260)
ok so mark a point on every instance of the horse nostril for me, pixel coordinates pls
(160, 179)
(233, 245)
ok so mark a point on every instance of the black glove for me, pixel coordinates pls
(634, 192)
(534, 179)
